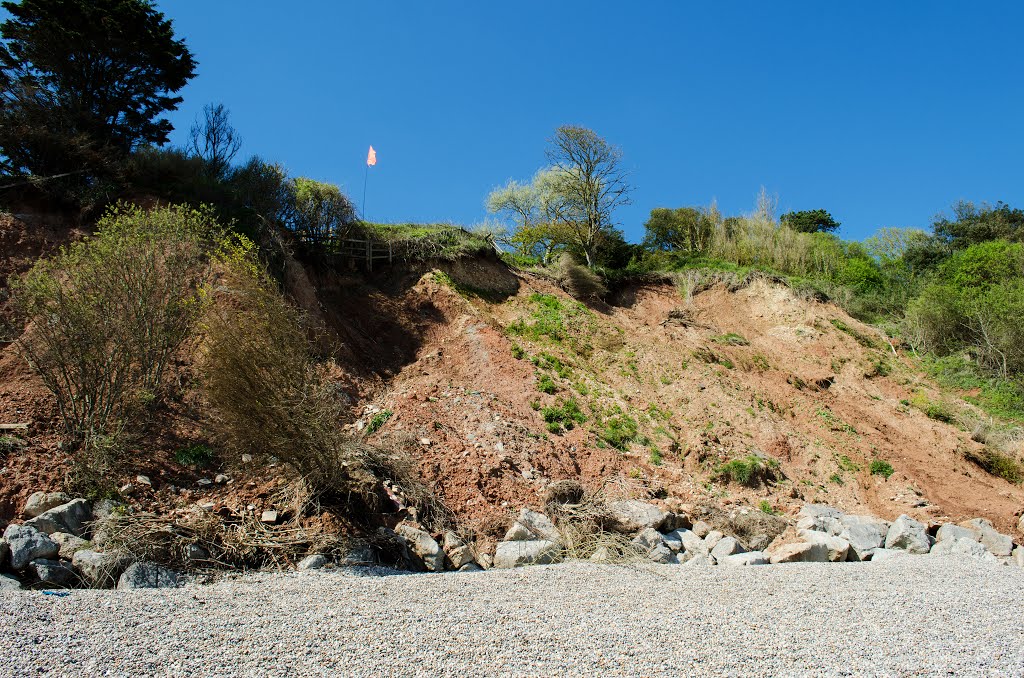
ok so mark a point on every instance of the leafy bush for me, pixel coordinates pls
(619, 431)
(194, 455)
(880, 467)
(751, 470)
(110, 312)
(766, 507)
(998, 464)
(545, 384)
(378, 420)
(564, 414)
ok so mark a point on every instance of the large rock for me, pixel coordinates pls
(532, 525)
(460, 556)
(882, 555)
(744, 559)
(9, 583)
(534, 552)
(949, 531)
(1018, 556)
(41, 502)
(647, 539)
(701, 529)
(663, 555)
(147, 576)
(1020, 523)
(853, 519)
(726, 546)
(962, 548)
(424, 546)
(838, 548)
(692, 545)
(819, 510)
(998, 544)
(908, 535)
(72, 517)
(100, 570)
(825, 524)
(632, 516)
(714, 536)
(26, 544)
(56, 573)
(69, 544)
(864, 538)
(804, 552)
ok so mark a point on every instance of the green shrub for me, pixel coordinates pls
(998, 464)
(378, 420)
(517, 352)
(882, 468)
(836, 478)
(656, 457)
(766, 507)
(731, 339)
(111, 311)
(194, 455)
(545, 384)
(751, 470)
(564, 414)
(619, 431)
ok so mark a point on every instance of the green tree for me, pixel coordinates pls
(318, 211)
(535, 208)
(83, 82)
(972, 224)
(810, 221)
(684, 229)
(590, 183)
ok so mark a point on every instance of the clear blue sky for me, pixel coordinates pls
(882, 112)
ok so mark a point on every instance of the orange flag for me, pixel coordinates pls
(371, 157)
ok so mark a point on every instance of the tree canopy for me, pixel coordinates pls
(810, 221)
(972, 224)
(83, 82)
(684, 229)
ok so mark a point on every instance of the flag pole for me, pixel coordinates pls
(366, 176)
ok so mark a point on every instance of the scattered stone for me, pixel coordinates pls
(806, 552)
(949, 531)
(204, 482)
(53, 573)
(26, 544)
(744, 559)
(825, 524)
(701, 529)
(40, 502)
(220, 479)
(424, 546)
(532, 525)
(460, 556)
(863, 538)
(998, 544)
(602, 554)
(632, 516)
(673, 541)
(143, 480)
(269, 516)
(9, 583)
(104, 509)
(535, 552)
(907, 534)
(647, 539)
(246, 458)
(838, 548)
(69, 544)
(471, 567)
(100, 570)
(962, 547)
(690, 541)
(147, 576)
(127, 490)
(72, 517)
(726, 546)
(195, 552)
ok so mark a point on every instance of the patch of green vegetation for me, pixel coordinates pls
(465, 290)
(563, 415)
(848, 465)
(10, 444)
(760, 362)
(879, 367)
(545, 384)
(1001, 398)
(834, 422)
(751, 470)
(567, 322)
(199, 455)
(655, 457)
(860, 338)
(619, 431)
(880, 467)
(582, 388)
(378, 420)
(766, 507)
(658, 414)
(731, 339)
(546, 361)
(517, 352)
(836, 478)
(665, 379)
(998, 464)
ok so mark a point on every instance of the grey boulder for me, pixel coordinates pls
(838, 548)
(100, 570)
(907, 535)
(72, 517)
(726, 546)
(962, 548)
(826, 524)
(701, 529)
(532, 525)
(816, 510)
(147, 576)
(41, 502)
(631, 516)
(56, 573)
(424, 546)
(863, 538)
(27, 544)
(460, 556)
(1018, 557)
(948, 531)
(647, 539)
(534, 552)
(998, 544)
(313, 562)
(804, 552)
(882, 555)
(69, 544)
(744, 559)
(663, 555)
(8, 583)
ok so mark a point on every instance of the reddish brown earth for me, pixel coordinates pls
(801, 391)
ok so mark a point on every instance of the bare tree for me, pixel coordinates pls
(214, 139)
(591, 183)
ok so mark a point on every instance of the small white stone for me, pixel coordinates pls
(143, 480)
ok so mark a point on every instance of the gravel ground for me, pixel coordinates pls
(918, 615)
